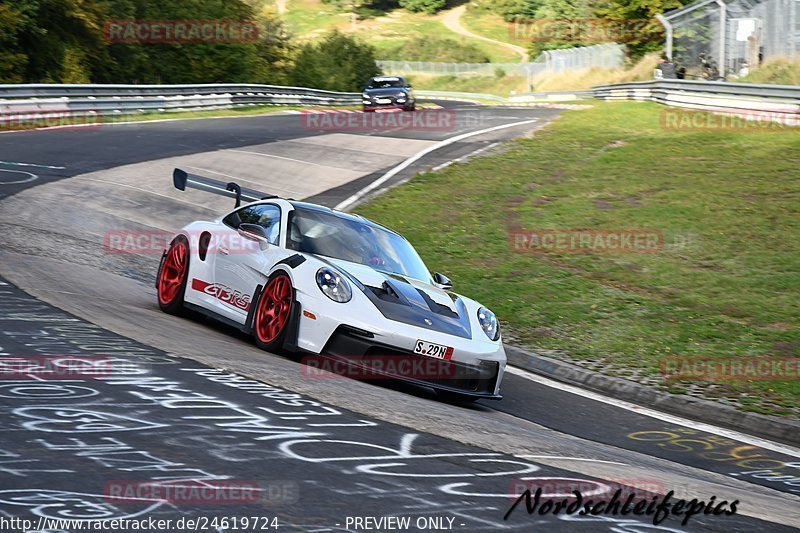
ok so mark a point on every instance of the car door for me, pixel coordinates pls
(240, 262)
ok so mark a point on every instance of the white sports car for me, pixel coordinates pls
(306, 278)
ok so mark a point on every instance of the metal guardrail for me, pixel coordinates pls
(546, 96)
(44, 90)
(32, 99)
(552, 96)
(454, 95)
(718, 87)
(685, 93)
(773, 102)
(780, 102)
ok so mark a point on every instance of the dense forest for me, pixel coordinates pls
(68, 41)
(65, 41)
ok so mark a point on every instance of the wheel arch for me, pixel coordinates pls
(281, 268)
(256, 296)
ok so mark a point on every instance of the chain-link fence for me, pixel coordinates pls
(601, 55)
(458, 69)
(727, 38)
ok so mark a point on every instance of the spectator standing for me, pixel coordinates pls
(665, 69)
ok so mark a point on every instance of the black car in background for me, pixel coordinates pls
(388, 92)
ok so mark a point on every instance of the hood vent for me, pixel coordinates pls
(386, 293)
(399, 300)
(436, 307)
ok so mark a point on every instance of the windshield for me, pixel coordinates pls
(385, 83)
(328, 235)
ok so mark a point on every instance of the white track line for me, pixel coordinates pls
(215, 172)
(117, 184)
(30, 165)
(463, 157)
(31, 177)
(439, 167)
(284, 158)
(672, 419)
(416, 157)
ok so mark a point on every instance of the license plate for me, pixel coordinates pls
(430, 349)
(384, 100)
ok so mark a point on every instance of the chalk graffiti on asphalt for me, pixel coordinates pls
(741, 460)
(115, 421)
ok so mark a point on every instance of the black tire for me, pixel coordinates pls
(170, 299)
(368, 110)
(412, 108)
(265, 335)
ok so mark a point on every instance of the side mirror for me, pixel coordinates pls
(442, 281)
(409, 86)
(254, 232)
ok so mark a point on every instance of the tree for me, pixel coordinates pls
(13, 59)
(66, 41)
(554, 25)
(336, 63)
(564, 9)
(263, 59)
(49, 40)
(274, 49)
(423, 6)
(650, 36)
(515, 9)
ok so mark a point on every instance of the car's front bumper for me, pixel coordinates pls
(479, 363)
(371, 358)
(387, 102)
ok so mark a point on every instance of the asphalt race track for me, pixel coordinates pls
(195, 409)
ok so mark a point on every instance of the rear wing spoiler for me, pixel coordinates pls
(182, 179)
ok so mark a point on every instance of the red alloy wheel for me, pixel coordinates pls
(273, 309)
(173, 272)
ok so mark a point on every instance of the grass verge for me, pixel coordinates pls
(588, 78)
(501, 86)
(560, 81)
(211, 113)
(779, 71)
(723, 286)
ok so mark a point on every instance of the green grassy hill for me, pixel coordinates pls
(391, 31)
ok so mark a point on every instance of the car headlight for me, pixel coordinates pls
(333, 285)
(489, 323)
(401, 95)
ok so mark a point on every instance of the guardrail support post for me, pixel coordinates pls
(668, 27)
(723, 36)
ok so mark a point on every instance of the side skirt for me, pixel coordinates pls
(211, 314)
